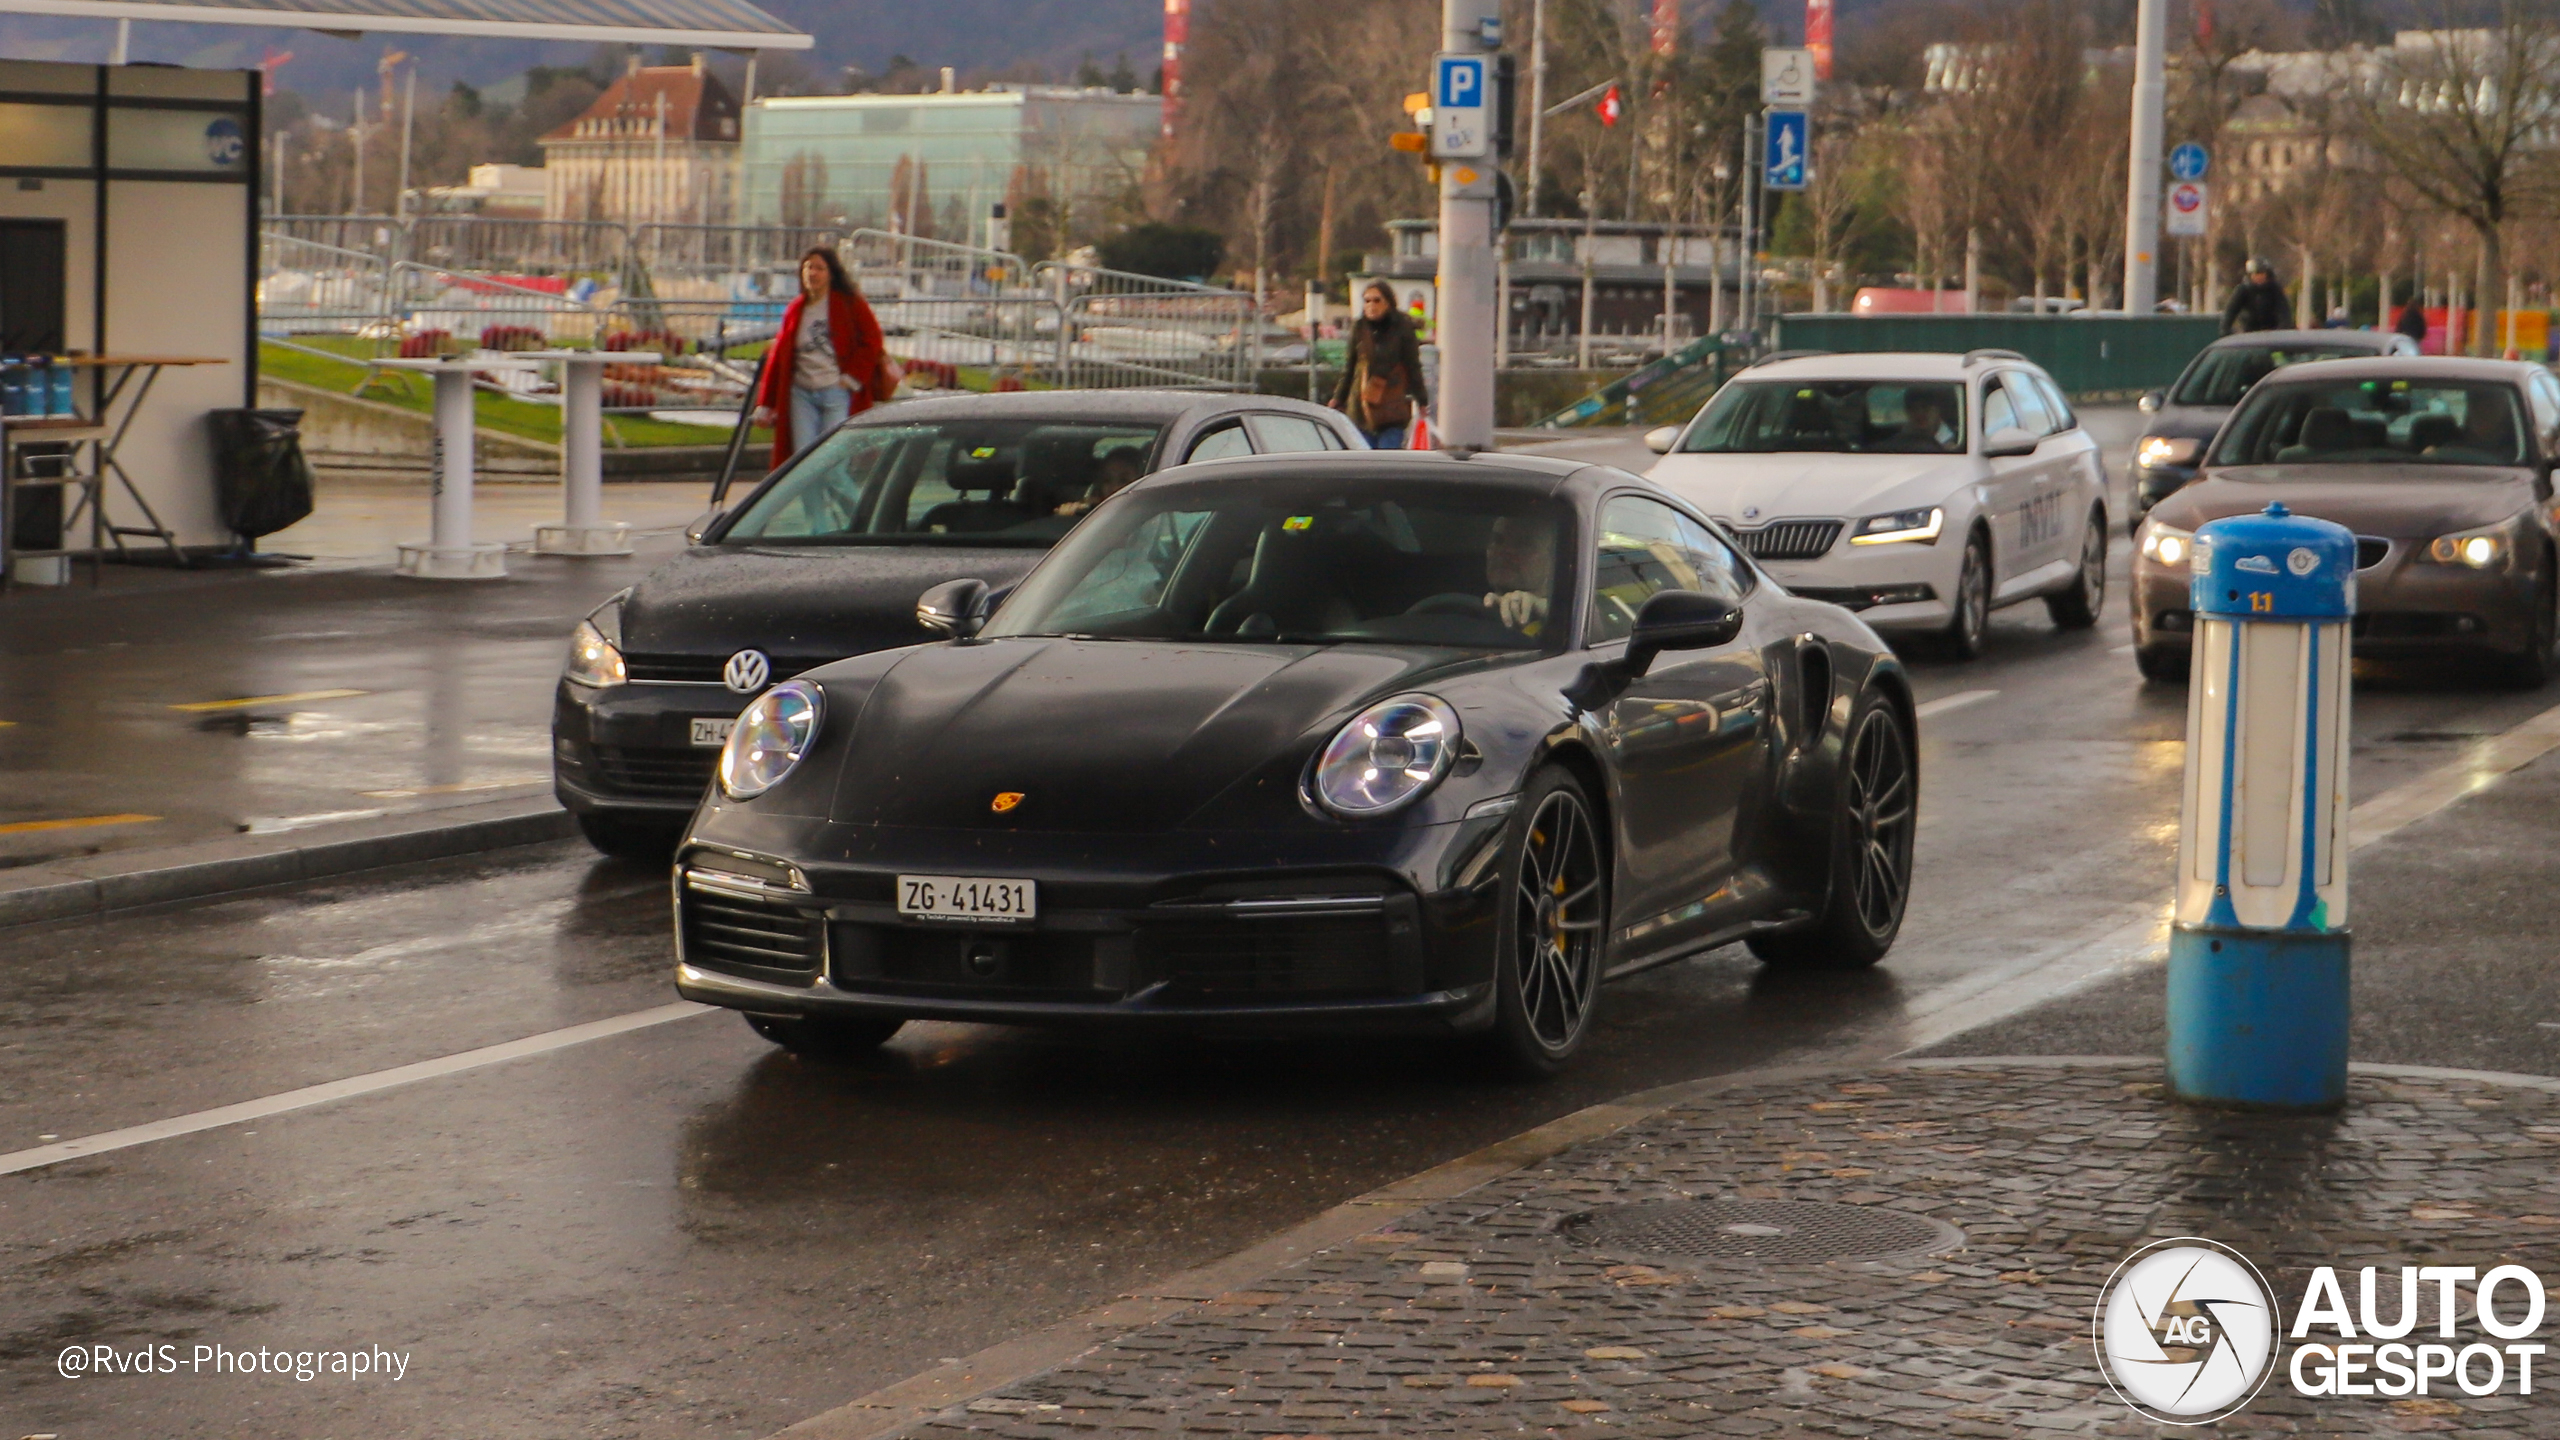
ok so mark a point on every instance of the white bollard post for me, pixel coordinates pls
(583, 530)
(450, 553)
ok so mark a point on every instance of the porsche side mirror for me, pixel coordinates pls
(2152, 400)
(1679, 620)
(955, 608)
(2010, 440)
(701, 525)
(1660, 439)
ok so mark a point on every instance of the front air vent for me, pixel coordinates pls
(743, 924)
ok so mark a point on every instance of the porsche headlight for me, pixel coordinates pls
(2479, 549)
(1389, 756)
(2167, 545)
(2159, 450)
(1902, 525)
(593, 659)
(771, 735)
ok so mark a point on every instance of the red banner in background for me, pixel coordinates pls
(1817, 36)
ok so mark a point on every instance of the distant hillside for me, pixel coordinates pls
(966, 34)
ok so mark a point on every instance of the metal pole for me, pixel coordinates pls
(2142, 177)
(408, 117)
(1463, 397)
(1746, 300)
(1537, 104)
(1582, 330)
(1502, 308)
(124, 42)
(355, 133)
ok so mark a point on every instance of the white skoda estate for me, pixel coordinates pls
(1923, 491)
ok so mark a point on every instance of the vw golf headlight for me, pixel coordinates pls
(770, 737)
(593, 659)
(1389, 756)
(2479, 549)
(2159, 450)
(2167, 544)
(1920, 526)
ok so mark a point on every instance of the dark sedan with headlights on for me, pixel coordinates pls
(2184, 416)
(1416, 742)
(2441, 467)
(824, 559)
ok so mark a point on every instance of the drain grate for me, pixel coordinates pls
(1762, 1231)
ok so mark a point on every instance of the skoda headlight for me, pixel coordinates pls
(593, 658)
(771, 735)
(1389, 756)
(2479, 549)
(2167, 544)
(2159, 450)
(1902, 525)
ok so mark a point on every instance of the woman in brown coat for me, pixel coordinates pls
(1382, 381)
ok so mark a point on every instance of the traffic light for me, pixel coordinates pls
(1505, 75)
(1417, 141)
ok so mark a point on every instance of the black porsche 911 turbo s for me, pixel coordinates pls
(824, 559)
(1415, 741)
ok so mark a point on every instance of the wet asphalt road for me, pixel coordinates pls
(681, 1232)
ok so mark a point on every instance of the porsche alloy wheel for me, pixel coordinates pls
(1872, 835)
(1549, 975)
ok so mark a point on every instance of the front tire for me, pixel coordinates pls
(813, 1038)
(1963, 637)
(1872, 832)
(2161, 666)
(2531, 670)
(1553, 931)
(2078, 607)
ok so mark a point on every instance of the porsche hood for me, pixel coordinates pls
(1099, 735)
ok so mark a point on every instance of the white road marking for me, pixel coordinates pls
(2138, 934)
(353, 1085)
(2124, 649)
(1957, 701)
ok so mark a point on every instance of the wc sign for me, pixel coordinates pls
(1461, 107)
(223, 144)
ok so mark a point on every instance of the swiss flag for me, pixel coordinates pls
(1611, 107)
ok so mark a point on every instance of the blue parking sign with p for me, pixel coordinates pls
(1461, 81)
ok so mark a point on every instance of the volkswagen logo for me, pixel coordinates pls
(747, 672)
(2186, 1331)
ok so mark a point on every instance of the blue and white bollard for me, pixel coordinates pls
(2258, 953)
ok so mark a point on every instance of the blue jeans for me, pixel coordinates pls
(816, 412)
(1391, 438)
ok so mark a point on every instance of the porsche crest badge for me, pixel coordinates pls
(1006, 800)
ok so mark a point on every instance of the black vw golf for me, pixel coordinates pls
(1368, 740)
(824, 559)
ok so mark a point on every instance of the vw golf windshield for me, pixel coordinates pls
(1014, 481)
(2374, 422)
(1273, 561)
(1852, 417)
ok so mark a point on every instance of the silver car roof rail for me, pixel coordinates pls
(1976, 357)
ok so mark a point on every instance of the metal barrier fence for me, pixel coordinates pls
(2087, 355)
(436, 284)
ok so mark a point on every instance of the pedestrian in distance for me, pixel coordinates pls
(2413, 323)
(2259, 303)
(827, 363)
(1382, 377)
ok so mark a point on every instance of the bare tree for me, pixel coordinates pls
(2463, 117)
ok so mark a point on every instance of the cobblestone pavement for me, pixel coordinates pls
(1481, 1316)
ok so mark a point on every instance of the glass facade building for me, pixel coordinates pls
(935, 165)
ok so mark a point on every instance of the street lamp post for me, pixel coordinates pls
(2142, 178)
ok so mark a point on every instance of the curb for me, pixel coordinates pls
(125, 880)
(891, 1410)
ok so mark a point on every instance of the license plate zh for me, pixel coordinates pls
(712, 732)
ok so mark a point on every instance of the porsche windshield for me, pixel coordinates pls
(1275, 561)
(2374, 422)
(2224, 373)
(1854, 417)
(1014, 481)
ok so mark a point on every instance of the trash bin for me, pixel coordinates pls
(263, 483)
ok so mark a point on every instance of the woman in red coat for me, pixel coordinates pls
(827, 364)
